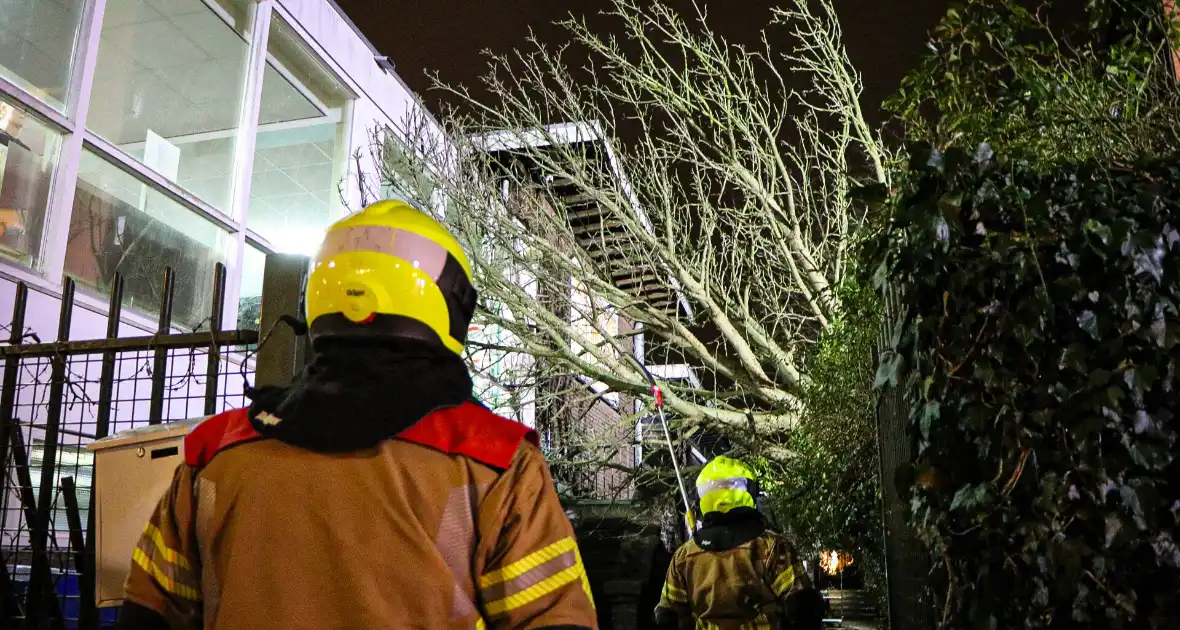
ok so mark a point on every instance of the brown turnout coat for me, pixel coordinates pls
(733, 589)
(453, 525)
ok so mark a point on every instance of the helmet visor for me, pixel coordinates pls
(729, 483)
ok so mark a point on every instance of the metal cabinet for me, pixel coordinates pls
(132, 470)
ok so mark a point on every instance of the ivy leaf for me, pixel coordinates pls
(1074, 358)
(1088, 321)
(888, 372)
(930, 415)
(1131, 501)
(983, 153)
(968, 497)
(1100, 230)
(1147, 455)
(1114, 528)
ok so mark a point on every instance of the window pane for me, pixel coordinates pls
(301, 154)
(168, 88)
(28, 157)
(120, 224)
(37, 42)
(250, 293)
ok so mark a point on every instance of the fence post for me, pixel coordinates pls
(69, 495)
(9, 607)
(11, 371)
(41, 590)
(87, 608)
(213, 369)
(283, 353)
(160, 363)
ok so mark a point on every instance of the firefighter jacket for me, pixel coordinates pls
(453, 524)
(733, 575)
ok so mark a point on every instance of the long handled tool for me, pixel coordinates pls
(658, 395)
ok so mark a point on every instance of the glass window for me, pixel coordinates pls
(168, 88)
(37, 43)
(250, 293)
(120, 224)
(301, 153)
(28, 157)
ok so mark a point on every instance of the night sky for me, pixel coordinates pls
(884, 37)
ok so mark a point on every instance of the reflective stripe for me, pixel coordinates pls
(536, 591)
(784, 581)
(528, 563)
(170, 568)
(480, 624)
(421, 252)
(675, 594)
(455, 538)
(171, 556)
(163, 579)
(761, 623)
(507, 588)
(206, 496)
(585, 580)
(533, 577)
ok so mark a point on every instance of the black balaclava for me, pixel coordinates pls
(357, 393)
(725, 530)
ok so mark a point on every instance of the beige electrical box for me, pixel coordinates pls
(132, 470)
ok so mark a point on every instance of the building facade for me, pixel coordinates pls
(142, 134)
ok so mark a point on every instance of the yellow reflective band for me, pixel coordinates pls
(165, 581)
(170, 555)
(585, 580)
(480, 624)
(537, 591)
(674, 594)
(529, 562)
(785, 580)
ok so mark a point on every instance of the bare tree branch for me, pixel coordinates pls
(732, 198)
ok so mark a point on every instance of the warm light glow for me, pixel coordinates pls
(834, 562)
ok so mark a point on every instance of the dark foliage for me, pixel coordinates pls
(1039, 348)
(1000, 73)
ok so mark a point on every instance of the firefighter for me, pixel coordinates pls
(735, 573)
(373, 492)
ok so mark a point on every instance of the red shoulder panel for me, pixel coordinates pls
(217, 434)
(471, 430)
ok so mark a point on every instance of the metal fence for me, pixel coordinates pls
(907, 564)
(60, 396)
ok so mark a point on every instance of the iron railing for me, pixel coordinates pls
(60, 396)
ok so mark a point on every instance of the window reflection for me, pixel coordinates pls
(120, 224)
(38, 39)
(28, 158)
(169, 85)
(301, 152)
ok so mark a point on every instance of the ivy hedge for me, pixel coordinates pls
(1039, 349)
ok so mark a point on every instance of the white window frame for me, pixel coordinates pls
(47, 277)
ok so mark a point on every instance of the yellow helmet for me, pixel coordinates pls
(726, 483)
(391, 270)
